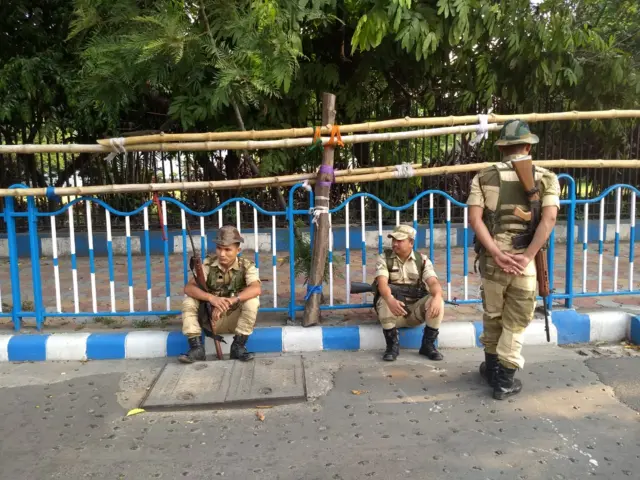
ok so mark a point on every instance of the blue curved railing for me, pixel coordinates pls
(458, 243)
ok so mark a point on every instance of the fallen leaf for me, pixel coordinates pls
(135, 411)
(260, 415)
(359, 392)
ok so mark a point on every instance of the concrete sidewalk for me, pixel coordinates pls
(576, 417)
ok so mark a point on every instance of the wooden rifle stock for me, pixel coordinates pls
(198, 273)
(524, 170)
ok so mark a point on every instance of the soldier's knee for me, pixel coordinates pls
(251, 305)
(190, 306)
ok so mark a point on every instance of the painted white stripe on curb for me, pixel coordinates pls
(145, 344)
(67, 346)
(536, 335)
(609, 326)
(371, 337)
(457, 335)
(4, 347)
(301, 339)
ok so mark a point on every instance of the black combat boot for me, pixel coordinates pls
(393, 344)
(489, 368)
(505, 385)
(196, 351)
(238, 349)
(428, 347)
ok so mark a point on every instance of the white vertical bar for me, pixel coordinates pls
(255, 236)
(601, 241)
(94, 295)
(74, 270)
(56, 269)
(238, 216)
(379, 222)
(363, 236)
(330, 261)
(616, 259)
(632, 233)
(585, 243)
(127, 227)
(148, 266)
(466, 278)
(164, 226)
(347, 266)
(397, 217)
(220, 218)
(112, 286)
(449, 240)
(203, 238)
(428, 240)
(274, 261)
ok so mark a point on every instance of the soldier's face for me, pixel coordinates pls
(227, 254)
(402, 247)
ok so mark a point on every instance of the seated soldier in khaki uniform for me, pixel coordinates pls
(403, 267)
(235, 287)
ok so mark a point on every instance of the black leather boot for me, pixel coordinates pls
(489, 368)
(196, 351)
(238, 349)
(505, 385)
(393, 344)
(428, 347)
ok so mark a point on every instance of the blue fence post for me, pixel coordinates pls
(14, 271)
(34, 246)
(570, 247)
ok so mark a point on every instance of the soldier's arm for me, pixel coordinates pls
(191, 289)
(254, 285)
(430, 279)
(550, 201)
(481, 230)
(382, 278)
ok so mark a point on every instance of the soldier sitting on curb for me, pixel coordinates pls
(408, 294)
(235, 287)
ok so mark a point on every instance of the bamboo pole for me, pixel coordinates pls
(247, 144)
(370, 126)
(362, 175)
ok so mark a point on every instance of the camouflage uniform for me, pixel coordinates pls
(508, 300)
(414, 271)
(240, 318)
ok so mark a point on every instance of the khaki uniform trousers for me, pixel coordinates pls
(509, 303)
(416, 315)
(239, 321)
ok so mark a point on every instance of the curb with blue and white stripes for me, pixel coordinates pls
(568, 327)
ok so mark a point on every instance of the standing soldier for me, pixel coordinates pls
(234, 287)
(420, 295)
(509, 273)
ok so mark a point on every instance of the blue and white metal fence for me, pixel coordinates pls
(458, 237)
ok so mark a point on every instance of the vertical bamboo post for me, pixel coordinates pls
(321, 237)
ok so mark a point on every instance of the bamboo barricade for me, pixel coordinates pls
(363, 175)
(370, 126)
(246, 144)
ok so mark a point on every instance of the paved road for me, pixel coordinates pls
(413, 419)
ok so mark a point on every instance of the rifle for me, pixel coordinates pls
(399, 292)
(526, 174)
(195, 264)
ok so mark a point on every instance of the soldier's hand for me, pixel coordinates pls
(520, 259)
(396, 307)
(433, 307)
(221, 303)
(508, 264)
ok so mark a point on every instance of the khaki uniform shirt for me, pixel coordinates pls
(405, 273)
(250, 272)
(487, 197)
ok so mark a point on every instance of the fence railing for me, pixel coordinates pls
(132, 282)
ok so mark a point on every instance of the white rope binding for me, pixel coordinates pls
(118, 145)
(405, 170)
(482, 132)
(316, 212)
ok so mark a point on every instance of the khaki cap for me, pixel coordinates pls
(403, 232)
(228, 235)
